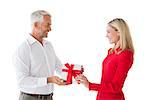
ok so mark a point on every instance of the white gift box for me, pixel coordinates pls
(70, 71)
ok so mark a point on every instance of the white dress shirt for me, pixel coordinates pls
(34, 63)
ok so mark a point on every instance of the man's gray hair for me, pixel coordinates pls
(37, 16)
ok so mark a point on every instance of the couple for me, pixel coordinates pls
(36, 62)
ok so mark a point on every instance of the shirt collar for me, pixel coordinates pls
(32, 40)
(117, 50)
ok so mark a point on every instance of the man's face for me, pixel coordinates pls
(44, 27)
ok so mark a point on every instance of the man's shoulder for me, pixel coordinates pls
(24, 46)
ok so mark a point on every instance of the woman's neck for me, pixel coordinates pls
(117, 45)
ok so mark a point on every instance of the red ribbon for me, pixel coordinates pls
(71, 72)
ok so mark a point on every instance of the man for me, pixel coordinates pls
(36, 62)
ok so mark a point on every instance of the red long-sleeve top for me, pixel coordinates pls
(114, 72)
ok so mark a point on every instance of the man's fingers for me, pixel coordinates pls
(60, 81)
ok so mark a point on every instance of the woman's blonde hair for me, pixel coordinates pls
(125, 38)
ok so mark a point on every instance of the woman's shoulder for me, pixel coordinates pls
(128, 53)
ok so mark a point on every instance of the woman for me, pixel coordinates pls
(116, 65)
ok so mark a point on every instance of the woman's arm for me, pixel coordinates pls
(125, 60)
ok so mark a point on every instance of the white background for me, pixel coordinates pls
(78, 36)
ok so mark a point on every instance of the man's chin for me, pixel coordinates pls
(45, 36)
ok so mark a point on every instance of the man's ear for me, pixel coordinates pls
(36, 24)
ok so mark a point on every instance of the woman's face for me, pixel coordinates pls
(112, 35)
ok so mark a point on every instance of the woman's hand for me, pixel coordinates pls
(82, 79)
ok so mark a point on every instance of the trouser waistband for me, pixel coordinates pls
(38, 95)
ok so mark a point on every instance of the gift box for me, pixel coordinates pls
(70, 71)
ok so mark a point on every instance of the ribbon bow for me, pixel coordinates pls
(71, 72)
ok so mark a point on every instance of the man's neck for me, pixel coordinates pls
(37, 37)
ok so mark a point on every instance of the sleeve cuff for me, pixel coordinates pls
(90, 86)
(93, 86)
(42, 82)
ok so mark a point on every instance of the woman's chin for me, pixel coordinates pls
(110, 42)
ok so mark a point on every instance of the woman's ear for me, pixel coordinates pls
(118, 34)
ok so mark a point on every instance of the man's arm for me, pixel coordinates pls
(21, 60)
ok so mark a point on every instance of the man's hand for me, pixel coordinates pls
(56, 80)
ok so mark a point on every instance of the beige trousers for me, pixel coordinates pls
(24, 96)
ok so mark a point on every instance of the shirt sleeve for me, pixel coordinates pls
(94, 86)
(58, 66)
(125, 60)
(21, 60)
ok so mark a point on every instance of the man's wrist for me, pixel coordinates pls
(49, 80)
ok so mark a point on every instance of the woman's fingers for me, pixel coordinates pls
(81, 77)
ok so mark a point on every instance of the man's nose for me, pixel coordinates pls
(49, 29)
